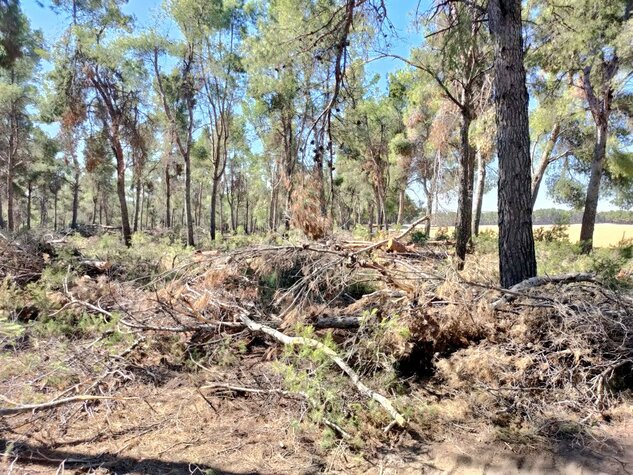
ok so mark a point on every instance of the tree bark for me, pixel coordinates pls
(479, 196)
(517, 259)
(537, 178)
(593, 188)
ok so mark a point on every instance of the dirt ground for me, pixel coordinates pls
(174, 428)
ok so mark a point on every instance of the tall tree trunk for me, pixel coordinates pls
(76, 177)
(212, 211)
(95, 204)
(272, 214)
(137, 203)
(28, 204)
(430, 199)
(55, 210)
(221, 202)
(400, 207)
(120, 187)
(167, 198)
(10, 191)
(2, 224)
(479, 196)
(148, 201)
(188, 213)
(465, 201)
(517, 259)
(43, 205)
(593, 188)
(142, 207)
(545, 160)
(246, 226)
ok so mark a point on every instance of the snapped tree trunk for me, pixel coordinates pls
(517, 259)
(545, 160)
(479, 196)
(593, 188)
(465, 201)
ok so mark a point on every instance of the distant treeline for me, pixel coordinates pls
(544, 216)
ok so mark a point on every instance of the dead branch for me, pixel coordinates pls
(291, 341)
(397, 238)
(52, 404)
(532, 282)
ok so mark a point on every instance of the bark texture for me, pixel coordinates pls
(517, 260)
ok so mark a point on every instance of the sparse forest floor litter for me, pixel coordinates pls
(159, 359)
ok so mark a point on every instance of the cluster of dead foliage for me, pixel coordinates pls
(382, 323)
(23, 259)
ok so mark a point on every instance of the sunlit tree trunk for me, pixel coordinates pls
(167, 197)
(545, 160)
(479, 196)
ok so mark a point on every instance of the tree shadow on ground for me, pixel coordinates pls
(32, 454)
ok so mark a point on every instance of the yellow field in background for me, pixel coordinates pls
(605, 234)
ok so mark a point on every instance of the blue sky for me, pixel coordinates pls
(400, 12)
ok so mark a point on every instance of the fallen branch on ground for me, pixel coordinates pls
(538, 281)
(5, 411)
(397, 238)
(294, 340)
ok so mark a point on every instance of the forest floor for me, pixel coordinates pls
(161, 375)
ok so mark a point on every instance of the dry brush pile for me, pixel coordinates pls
(361, 330)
